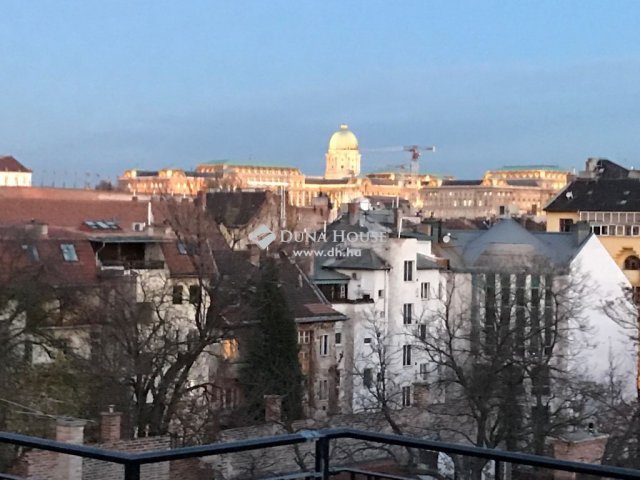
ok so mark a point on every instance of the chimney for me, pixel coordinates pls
(578, 446)
(38, 229)
(110, 421)
(353, 212)
(273, 408)
(581, 231)
(69, 430)
(397, 220)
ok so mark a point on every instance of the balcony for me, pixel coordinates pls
(321, 447)
(115, 267)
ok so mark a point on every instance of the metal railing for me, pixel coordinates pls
(322, 468)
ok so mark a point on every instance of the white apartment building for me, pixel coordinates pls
(387, 285)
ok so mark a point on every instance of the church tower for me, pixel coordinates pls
(343, 156)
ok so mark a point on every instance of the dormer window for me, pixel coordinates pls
(69, 252)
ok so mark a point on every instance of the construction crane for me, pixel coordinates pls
(416, 152)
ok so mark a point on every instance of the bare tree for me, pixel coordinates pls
(498, 349)
(157, 348)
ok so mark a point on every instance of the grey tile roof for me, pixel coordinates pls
(367, 260)
(426, 263)
(508, 246)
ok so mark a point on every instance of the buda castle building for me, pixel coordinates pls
(526, 189)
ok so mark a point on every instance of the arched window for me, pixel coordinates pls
(632, 263)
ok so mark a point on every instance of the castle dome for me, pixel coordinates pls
(343, 139)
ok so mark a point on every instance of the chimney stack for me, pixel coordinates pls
(578, 446)
(354, 213)
(581, 231)
(110, 425)
(397, 217)
(69, 430)
(38, 229)
(273, 408)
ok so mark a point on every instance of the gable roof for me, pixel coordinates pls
(10, 164)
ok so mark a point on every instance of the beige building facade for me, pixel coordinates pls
(511, 190)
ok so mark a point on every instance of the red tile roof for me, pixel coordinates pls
(71, 213)
(49, 266)
(10, 164)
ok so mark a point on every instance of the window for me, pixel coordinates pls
(338, 338)
(228, 398)
(635, 230)
(406, 396)
(424, 371)
(323, 389)
(566, 224)
(424, 290)
(354, 275)
(422, 332)
(177, 294)
(69, 252)
(324, 345)
(32, 251)
(182, 248)
(229, 348)
(304, 337)
(367, 377)
(380, 293)
(406, 355)
(367, 340)
(632, 263)
(194, 294)
(407, 313)
(596, 229)
(408, 270)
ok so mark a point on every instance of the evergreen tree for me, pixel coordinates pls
(272, 366)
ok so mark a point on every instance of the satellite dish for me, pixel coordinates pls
(446, 238)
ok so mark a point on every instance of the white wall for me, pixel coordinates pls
(611, 334)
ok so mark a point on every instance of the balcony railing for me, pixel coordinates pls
(322, 468)
(133, 264)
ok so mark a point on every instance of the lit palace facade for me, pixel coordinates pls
(342, 183)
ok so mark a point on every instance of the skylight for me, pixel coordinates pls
(69, 252)
(102, 224)
(32, 251)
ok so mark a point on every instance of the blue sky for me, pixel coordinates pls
(99, 87)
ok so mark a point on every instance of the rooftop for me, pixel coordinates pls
(10, 164)
(530, 167)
